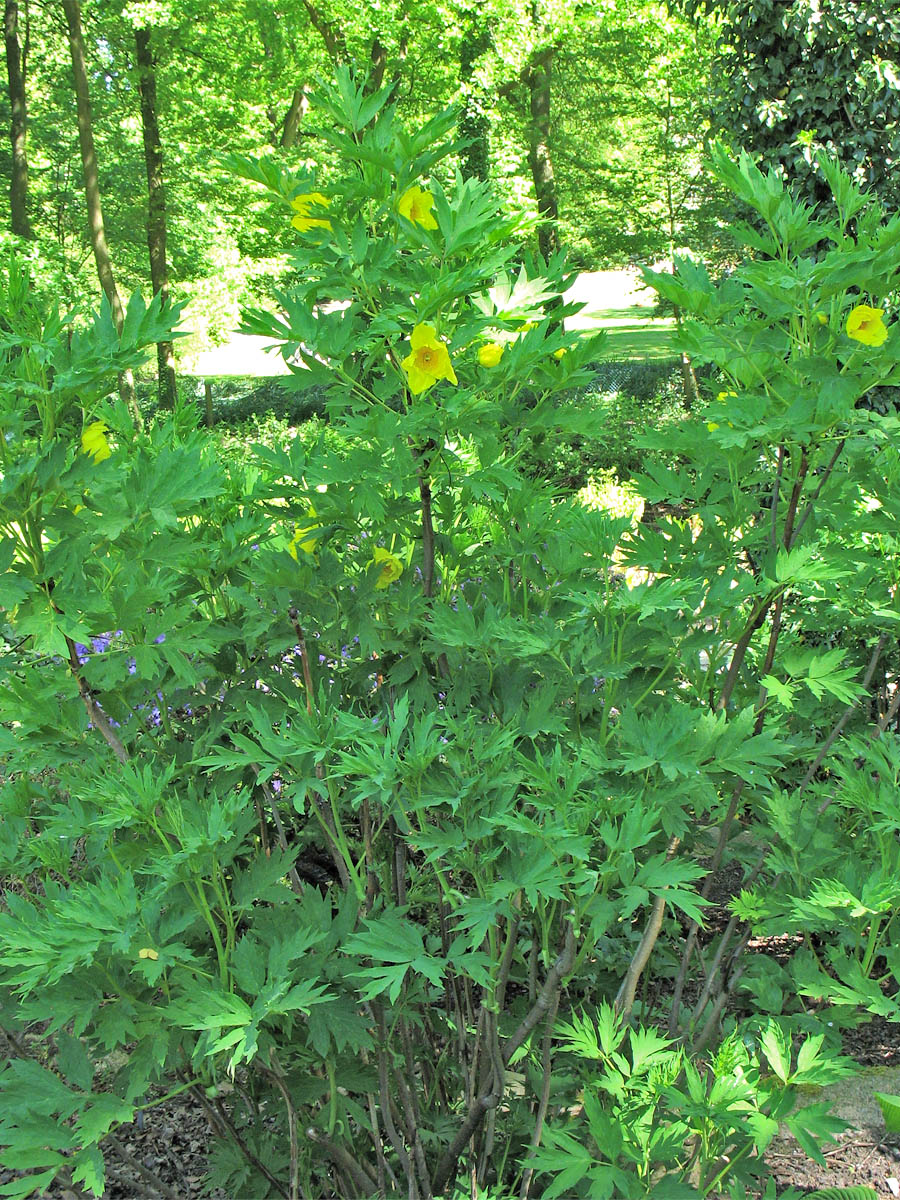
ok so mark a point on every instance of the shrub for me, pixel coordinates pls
(353, 790)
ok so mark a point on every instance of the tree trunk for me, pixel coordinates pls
(72, 10)
(15, 69)
(156, 207)
(331, 33)
(294, 115)
(474, 123)
(539, 159)
(377, 64)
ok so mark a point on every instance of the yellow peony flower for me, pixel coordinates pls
(95, 442)
(724, 396)
(712, 426)
(428, 361)
(301, 206)
(302, 536)
(416, 204)
(391, 567)
(490, 354)
(864, 324)
(561, 352)
(148, 952)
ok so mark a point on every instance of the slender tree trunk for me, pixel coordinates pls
(15, 69)
(331, 33)
(72, 10)
(296, 112)
(689, 390)
(474, 124)
(156, 207)
(539, 159)
(377, 64)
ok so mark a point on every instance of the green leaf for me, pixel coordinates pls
(777, 1050)
(73, 1062)
(847, 1193)
(812, 1125)
(30, 1185)
(890, 1110)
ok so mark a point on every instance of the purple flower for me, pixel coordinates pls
(276, 785)
(132, 667)
(323, 658)
(159, 639)
(82, 652)
(101, 643)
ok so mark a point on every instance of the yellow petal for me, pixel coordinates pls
(94, 441)
(391, 567)
(418, 381)
(304, 223)
(864, 324)
(415, 204)
(423, 335)
(148, 952)
(303, 202)
(490, 354)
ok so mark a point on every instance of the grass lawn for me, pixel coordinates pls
(632, 332)
(619, 302)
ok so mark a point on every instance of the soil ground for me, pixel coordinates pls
(173, 1140)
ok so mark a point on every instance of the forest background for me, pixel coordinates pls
(593, 115)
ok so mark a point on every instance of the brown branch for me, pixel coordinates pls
(384, 1096)
(624, 1000)
(543, 1103)
(218, 1115)
(96, 715)
(318, 800)
(296, 1192)
(427, 533)
(363, 1180)
(807, 512)
(741, 647)
(776, 492)
(490, 1096)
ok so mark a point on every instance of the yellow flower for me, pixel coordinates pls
(560, 352)
(712, 426)
(822, 318)
(490, 354)
(148, 952)
(94, 441)
(301, 206)
(302, 537)
(415, 204)
(724, 396)
(391, 567)
(428, 360)
(864, 324)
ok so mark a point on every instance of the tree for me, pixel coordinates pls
(798, 76)
(156, 205)
(16, 58)
(538, 76)
(72, 10)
